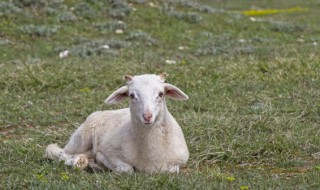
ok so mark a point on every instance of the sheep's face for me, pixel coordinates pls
(146, 94)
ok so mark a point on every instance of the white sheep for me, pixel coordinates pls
(144, 137)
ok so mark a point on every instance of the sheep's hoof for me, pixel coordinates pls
(174, 169)
(80, 162)
(124, 169)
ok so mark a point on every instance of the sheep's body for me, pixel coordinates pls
(119, 141)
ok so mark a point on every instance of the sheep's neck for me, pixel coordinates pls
(152, 142)
(157, 133)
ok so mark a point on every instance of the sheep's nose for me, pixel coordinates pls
(147, 117)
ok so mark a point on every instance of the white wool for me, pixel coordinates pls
(143, 137)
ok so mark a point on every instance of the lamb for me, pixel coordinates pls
(144, 137)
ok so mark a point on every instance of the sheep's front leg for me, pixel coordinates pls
(114, 163)
(54, 152)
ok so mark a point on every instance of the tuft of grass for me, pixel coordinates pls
(141, 36)
(7, 9)
(287, 27)
(39, 30)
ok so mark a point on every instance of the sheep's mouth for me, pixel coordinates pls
(147, 123)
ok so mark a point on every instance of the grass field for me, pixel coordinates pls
(253, 117)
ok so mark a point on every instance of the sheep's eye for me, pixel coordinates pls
(160, 94)
(131, 96)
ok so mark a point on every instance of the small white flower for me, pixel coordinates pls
(242, 40)
(64, 54)
(170, 62)
(105, 47)
(151, 4)
(300, 40)
(182, 47)
(253, 19)
(119, 31)
(314, 43)
(29, 104)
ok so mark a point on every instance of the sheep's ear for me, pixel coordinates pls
(128, 78)
(118, 96)
(174, 92)
(163, 76)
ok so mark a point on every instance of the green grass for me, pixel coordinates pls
(253, 117)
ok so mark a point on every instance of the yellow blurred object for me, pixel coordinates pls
(273, 11)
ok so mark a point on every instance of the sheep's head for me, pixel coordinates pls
(146, 94)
